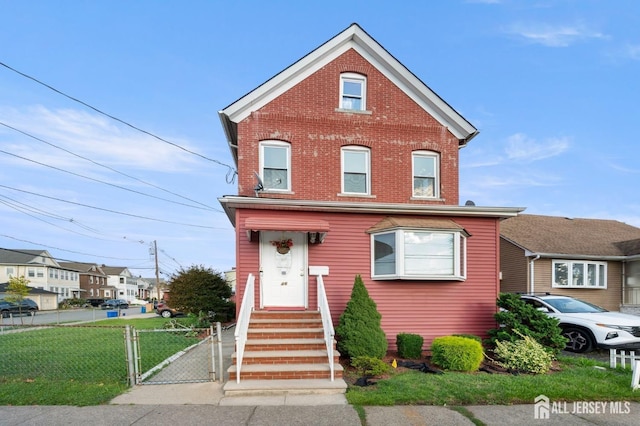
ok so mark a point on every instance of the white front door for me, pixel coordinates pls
(283, 279)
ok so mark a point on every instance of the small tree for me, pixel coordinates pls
(359, 330)
(518, 319)
(17, 290)
(199, 289)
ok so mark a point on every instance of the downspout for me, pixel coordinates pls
(532, 281)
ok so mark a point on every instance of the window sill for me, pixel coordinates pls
(414, 198)
(419, 278)
(343, 194)
(354, 111)
(583, 287)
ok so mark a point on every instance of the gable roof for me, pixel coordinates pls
(115, 270)
(353, 37)
(83, 267)
(25, 257)
(32, 290)
(554, 235)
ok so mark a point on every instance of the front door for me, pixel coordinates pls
(283, 278)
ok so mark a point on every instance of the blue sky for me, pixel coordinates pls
(553, 87)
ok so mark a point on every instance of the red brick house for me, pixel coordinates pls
(351, 161)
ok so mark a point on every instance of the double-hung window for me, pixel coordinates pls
(275, 165)
(355, 170)
(419, 254)
(579, 274)
(426, 181)
(353, 91)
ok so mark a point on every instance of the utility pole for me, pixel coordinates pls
(155, 252)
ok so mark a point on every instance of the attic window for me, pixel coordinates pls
(353, 90)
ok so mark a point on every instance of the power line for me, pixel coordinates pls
(231, 173)
(108, 210)
(58, 248)
(103, 165)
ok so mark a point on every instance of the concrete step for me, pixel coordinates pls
(284, 387)
(318, 356)
(284, 344)
(272, 372)
(286, 323)
(284, 333)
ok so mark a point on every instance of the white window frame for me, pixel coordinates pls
(459, 254)
(275, 144)
(350, 77)
(360, 150)
(600, 275)
(10, 271)
(436, 170)
(31, 272)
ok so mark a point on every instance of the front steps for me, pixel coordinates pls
(285, 353)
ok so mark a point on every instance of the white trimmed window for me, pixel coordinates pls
(10, 271)
(31, 272)
(353, 91)
(356, 174)
(426, 174)
(419, 255)
(275, 165)
(579, 274)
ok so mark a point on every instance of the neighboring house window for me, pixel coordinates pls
(426, 180)
(579, 274)
(121, 280)
(10, 271)
(40, 273)
(50, 273)
(275, 165)
(353, 90)
(419, 254)
(355, 170)
(31, 272)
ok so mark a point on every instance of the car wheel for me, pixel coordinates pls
(579, 340)
(166, 314)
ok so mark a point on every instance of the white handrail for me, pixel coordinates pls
(242, 327)
(327, 323)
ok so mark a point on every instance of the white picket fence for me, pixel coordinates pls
(625, 357)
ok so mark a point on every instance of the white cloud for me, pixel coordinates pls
(522, 148)
(88, 135)
(554, 36)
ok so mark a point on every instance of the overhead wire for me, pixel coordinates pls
(58, 248)
(103, 165)
(231, 173)
(109, 210)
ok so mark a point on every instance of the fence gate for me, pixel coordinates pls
(174, 355)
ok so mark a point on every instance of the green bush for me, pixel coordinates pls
(524, 355)
(521, 319)
(409, 345)
(470, 336)
(359, 331)
(369, 366)
(456, 353)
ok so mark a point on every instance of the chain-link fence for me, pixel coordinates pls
(104, 354)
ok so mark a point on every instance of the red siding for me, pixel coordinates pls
(427, 308)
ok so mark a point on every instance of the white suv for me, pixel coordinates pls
(586, 325)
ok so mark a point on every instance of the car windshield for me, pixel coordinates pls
(573, 306)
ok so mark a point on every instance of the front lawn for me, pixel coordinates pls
(577, 380)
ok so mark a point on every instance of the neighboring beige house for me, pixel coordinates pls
(595, 260)
(42, 271)
(46, 300)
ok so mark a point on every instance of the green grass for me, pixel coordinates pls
(78, 365)
(578, 380)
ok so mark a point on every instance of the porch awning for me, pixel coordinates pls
(286, 224)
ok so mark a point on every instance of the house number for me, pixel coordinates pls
(283, 283)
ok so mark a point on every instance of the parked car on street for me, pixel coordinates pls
(115, 304)
(166, 311)
(24, 307)
(588, 326)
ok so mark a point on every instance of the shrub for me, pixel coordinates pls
(359, 331)
(525, 355)
(456, 353)
(470, 336)
(369, 366)
(409, 345)
(521, 319)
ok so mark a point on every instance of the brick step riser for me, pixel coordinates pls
(285, 316)
(293, 346)
(284, 375)
(270, 335)
(283, 324)
(288, 360)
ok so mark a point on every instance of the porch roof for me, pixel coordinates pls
(286, 224)
(389, 223)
